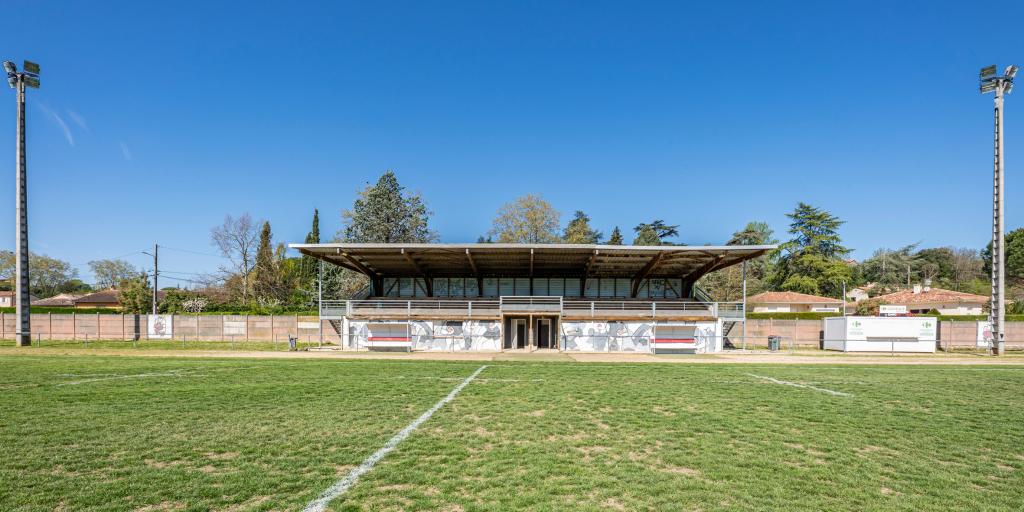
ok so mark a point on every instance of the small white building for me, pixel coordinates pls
(860, 293)
(8, 299)
(792, 302)
(921, 300)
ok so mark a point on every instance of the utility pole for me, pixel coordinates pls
(1001, 85)
(156, 273)
(844, 299)
(28, 77)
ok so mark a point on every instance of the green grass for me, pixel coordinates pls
(127, 433)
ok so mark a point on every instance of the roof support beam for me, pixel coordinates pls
(704, 269)
(644, 272)
(476, 274)
(472, 263)
(531, 271)
(586, 271)
(419, 270)
(355, 263)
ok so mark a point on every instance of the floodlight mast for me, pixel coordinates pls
(1000, 85)
(29, 77)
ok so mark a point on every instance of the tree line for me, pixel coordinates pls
(258, 276)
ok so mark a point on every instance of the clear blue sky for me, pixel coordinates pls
(157, 119)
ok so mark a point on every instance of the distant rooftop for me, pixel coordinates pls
(933, 295)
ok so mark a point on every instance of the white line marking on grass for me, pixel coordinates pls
(175, 373)
(798, 385)
(183, 372)
(455, 379)
(342, 486)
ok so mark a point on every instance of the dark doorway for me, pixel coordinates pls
(543, 333)
(516, 333)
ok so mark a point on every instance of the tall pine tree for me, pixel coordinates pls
(386, 213)
(579, 231)
(616, 237)
(654, 233)
(266, 278)
(813, 260)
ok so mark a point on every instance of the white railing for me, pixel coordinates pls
(727, 310)
(531, 303)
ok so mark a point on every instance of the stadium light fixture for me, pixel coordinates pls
(1000, 85)
(28, 77)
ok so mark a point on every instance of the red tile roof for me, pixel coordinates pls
(104, 296)
(934, 295)
(790, 298)
(63, 299)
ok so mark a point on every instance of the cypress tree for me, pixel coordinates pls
(309, 263)
(266, 281)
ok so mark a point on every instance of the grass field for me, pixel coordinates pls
(127, 433)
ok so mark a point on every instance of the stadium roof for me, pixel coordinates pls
(531, 260)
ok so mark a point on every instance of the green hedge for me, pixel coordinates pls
(791, 316)
(970, 318)
(109, 311)
(818, 316)
(65, 311)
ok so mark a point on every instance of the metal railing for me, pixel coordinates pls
(531, 303)
(338, 308)
(391, 306)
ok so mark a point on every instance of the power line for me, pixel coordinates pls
(196, 252)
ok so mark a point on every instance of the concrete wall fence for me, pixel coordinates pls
(954, 335)
(228, 328)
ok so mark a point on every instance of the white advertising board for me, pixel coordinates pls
(158, 327)
(881, 334)
(891, 310)
(985, 337)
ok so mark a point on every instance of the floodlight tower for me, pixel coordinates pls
(1000, 85)
(28, 77)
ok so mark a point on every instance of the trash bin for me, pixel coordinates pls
(774, 342)
(293, 342)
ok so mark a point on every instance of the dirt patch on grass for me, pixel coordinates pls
(162, 464)
(682, 470)
(162, 506)
(221, 456)
(249, 504)
(613, 504)
(536, 414)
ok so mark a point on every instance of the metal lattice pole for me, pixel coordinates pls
(1001, 85)
(23, 336)
(998, 308)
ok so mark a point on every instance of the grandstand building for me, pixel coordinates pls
(502, 297)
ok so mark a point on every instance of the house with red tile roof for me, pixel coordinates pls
(919, 300)
(792, 302)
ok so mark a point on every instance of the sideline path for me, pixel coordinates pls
(799, 357)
